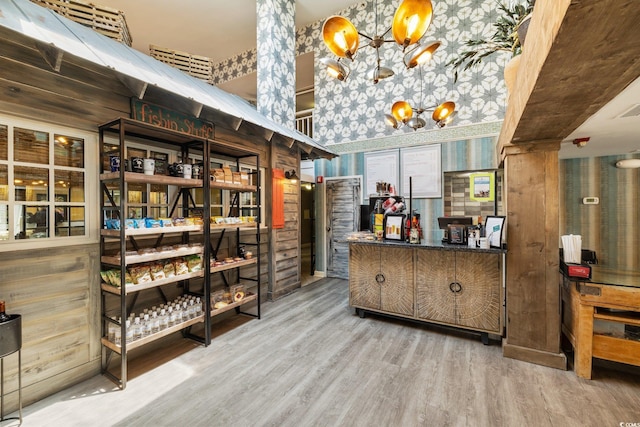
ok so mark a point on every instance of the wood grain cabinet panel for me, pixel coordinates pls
(459, 288)
(381, 278)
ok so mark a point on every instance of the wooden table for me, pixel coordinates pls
(611, 297)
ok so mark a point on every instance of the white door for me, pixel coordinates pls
(343, 217)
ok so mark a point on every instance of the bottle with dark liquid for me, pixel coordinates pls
(3, 316)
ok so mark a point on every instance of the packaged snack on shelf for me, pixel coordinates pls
(140, 222)
(147, 251)
(157, 271)
(141, 274)
(181, 266)
(227, 296)
(166, 222)
(244, 178)
(237, 177)
(228, 175)
(152, 223)
(218, 175)
(194, 263)
(189, 221)
(169, 269)
(114, 277)
(218, 300)
(105, 277)
(128, 280)
(238, 293)
(129, 223)
(177, 222)
(113, 224)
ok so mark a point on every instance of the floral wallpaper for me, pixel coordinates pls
(353, 111)
(276, 60)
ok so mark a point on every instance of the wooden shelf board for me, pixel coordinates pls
(245, 300)
(230, 186)
(152, 179)
(153, 284)
(151, 231)
(215, 227)
(616, 349)
(137, 259)
(146, 340)
(626, 317)
(235, 264)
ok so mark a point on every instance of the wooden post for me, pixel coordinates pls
(532, 292)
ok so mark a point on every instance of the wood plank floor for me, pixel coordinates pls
(311, 362)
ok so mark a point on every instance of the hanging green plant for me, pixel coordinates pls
(504, 39)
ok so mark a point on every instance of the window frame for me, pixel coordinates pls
(90, 188)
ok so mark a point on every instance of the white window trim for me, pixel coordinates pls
(91, 186)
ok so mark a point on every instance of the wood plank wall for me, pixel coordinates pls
(57, 293)
(285, 242)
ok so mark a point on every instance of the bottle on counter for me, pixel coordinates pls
(4, 317)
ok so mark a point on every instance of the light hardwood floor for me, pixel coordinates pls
(311, 362)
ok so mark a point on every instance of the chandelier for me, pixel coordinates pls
(403, 114)
(410, 22)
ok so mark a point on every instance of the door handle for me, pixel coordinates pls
(380, 278)
(455, 287)
(328, 229)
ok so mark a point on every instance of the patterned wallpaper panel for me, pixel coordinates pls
(276, 60)
(354, 110)
(612, 227)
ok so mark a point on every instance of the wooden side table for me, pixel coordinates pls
(11, 342)
(584, 303)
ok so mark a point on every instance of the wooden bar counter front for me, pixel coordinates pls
(451, 285)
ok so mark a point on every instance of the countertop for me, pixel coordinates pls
(424, 244)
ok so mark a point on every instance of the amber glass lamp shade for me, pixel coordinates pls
(420, 55)
(411, 21)
(401, 111)
(443, 111)
(340, 36)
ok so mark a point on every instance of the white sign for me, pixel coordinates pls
(380, 166)
(423, 165)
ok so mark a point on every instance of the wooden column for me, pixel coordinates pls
(532, 292)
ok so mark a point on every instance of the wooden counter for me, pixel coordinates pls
(434, 282)
(611, 297)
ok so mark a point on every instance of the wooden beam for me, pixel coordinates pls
(137, 87)
(578, 56)
(51, 54)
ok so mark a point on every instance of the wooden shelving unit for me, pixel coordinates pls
(195, 239)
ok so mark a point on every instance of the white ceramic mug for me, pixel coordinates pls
(186, 171)
(484, 243)
(149, 166)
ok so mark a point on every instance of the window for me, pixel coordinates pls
(43, 183)
(224, 203)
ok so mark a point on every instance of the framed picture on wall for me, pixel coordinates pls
(493, 226)
(482, 186)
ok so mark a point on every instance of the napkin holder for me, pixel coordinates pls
(582, 271)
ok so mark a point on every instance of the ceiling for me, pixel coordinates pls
(218, 30)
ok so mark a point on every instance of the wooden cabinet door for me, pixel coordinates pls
(435, 298)
(396, 289)
(364, 290)
(478, 302)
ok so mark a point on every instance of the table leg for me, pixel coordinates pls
(584, 342)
